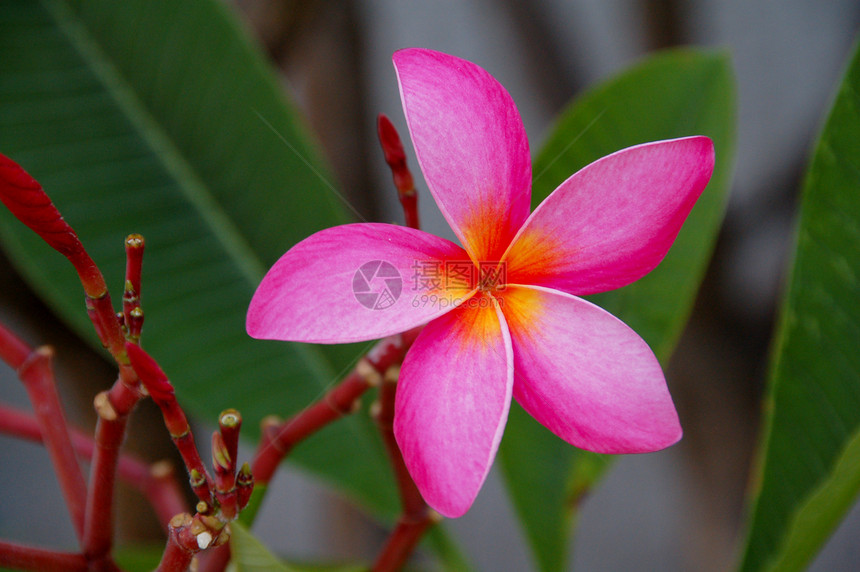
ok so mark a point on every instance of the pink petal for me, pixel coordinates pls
(340, 285)
(613, 221)
(471, 145)
(585, 375)
(452, 403)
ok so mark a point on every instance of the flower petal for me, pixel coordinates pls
(452, 403)
(352, 283)
(585, 375)
(613, 221)
(471, 145)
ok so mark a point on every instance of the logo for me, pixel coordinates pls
(377, 285)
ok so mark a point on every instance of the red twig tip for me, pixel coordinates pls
(132, 314)
(159, 387)
(392, 148)
(229, 424)
(26, 199)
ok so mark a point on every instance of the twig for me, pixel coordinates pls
(22, 557)
(110, 433)
(132, 313)
(38, 377)
(159, 387)
(278, 440)
(157, 482)
(13, 350)
(396, 159)
(187, 536)
(417, 517)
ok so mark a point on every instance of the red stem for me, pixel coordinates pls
(38, 377)
(110, 433)
(156, 482)
(225, 477)
(229, 424)
(411, 499)
(21, 557)
(189, 535)
(101, 313)
(215, 559)
(161, 390)
(276, 442)
(162, 490)
(396, 159)
(177, 553)
(113, 408)
(13, 350)
(132, 314)
(402, 542)
(31, 205)
(416, 517)
(26, 199)
(275, 445)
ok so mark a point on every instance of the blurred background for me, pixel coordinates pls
(679, 509)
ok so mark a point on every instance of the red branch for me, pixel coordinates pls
(132, 313)
(159, 387)
(278, 441)
(38, 377)
(112, 408)
(188, 535)
(396, 159)
(229, 424)
(417, 516)
(21, 557)
(156, 482)
(30, 204)
(110, 433)
(13, 350)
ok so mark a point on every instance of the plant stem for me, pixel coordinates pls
(21, 557)
(26, 199)
(417, 516)
(101, 313)
(110, 432)
(229, 424)
(396, 159)
(178, 554)
(132, 314)
(161, 390)
(188, 535)
(37, 375)
(157, 482)
(113, 408)
(277, 442)
(13, 350)
(402, 542)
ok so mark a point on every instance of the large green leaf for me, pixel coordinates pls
(678, 93)
(249, 555)
(162, 118)
(810, 457)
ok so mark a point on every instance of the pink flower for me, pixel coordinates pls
(502, 314)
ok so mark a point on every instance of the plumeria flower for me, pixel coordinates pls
(512, 326)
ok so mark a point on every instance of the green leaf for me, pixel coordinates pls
(138, 558)
(674, 94)
(162, 118)
(810, 457)
(249, 555)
